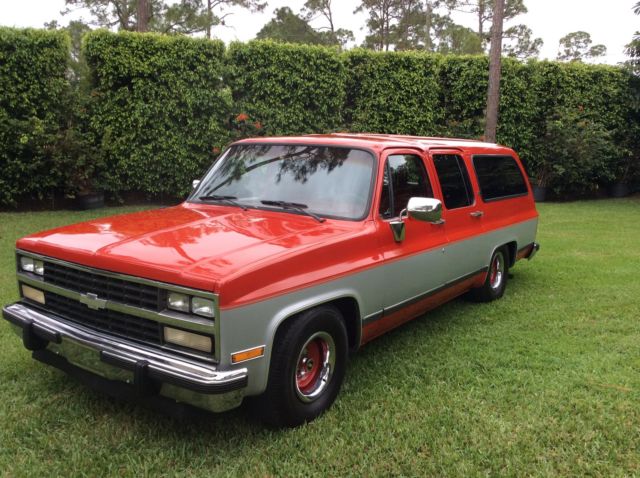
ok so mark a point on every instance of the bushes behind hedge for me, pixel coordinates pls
(159, 107)
(34, 100)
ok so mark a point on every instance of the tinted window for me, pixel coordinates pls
(404, 177)
(454, 180)
(328, 181)
(499, 177)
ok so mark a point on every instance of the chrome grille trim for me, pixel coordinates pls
(164, 317)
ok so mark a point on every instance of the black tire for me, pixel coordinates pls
(496, 281)
(298, 349)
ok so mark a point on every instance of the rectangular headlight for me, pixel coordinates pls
(203, 307)
(38, 267)
(26, 264)
(178, 301)
(187, 339)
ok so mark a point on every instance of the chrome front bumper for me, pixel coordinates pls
(148, 370)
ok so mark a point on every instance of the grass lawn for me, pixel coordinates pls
(544, 382)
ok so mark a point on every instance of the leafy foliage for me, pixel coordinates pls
(577, 46)
(185, 16)
(33, 103)
(158, 108)
(392, 92)
(289, 89)
(288, 27)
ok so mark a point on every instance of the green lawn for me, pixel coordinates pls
(544, 382)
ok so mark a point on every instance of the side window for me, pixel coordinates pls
(454, 180)
(404, 177)
(499, 177)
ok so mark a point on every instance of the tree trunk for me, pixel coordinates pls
(495, 70)
(210, 19)
(143, 15)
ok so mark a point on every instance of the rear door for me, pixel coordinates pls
(463, 218)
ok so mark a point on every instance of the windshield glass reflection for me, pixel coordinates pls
(326, 181)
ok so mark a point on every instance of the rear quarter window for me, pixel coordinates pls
(499, 177)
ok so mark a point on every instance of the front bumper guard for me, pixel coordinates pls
(149, 371)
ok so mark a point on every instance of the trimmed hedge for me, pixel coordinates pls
(289, 89)
(159, 109)
(34, 100)
(395, 93)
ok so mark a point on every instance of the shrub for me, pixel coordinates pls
(158, 109)
(393, 92)
(288, 89)
(34, 100)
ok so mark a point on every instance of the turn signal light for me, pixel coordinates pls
(249, 354)
(33, 294)
(187, 339)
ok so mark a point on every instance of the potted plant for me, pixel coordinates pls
(622, 174)
(83, 168)
(540, 181)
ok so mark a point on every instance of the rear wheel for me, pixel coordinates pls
(496, 281)
(307, 368)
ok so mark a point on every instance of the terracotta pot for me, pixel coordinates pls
(90, 201)
(540, 193)
(619, 190)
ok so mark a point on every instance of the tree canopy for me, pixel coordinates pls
(577, 46)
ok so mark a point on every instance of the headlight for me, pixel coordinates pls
(187, 339)
(28, 264)
(203, 307)
(178, 301)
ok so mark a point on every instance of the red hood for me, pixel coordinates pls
(191, 245)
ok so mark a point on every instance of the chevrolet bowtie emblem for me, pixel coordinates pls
(92, 301)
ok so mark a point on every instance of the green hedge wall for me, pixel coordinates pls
(33, 105)
(395, 93)
(288, 89)
(159, 109)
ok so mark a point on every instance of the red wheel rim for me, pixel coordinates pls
(314, 367)
(310, 365)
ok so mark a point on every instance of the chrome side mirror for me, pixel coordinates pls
(195, 183)
(425, 209)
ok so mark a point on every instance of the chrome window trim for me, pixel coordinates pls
(190, 322)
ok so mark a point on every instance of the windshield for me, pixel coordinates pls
(323, 180)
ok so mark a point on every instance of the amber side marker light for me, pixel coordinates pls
(33, 294)
(249, 354)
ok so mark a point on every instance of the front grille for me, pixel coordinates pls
(106, 320)
(109, 288)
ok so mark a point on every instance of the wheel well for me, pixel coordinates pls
(512, 249)
(348, 307)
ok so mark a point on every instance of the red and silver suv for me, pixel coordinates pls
(290, 253)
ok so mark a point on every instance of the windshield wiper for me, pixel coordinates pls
(294, 206)
(228, 199)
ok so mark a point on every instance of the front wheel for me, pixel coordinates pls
(496, 281)
(307, 368)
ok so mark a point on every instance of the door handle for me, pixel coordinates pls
(477, 214)
(439, 222)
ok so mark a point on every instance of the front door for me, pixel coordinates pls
(416, 265)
